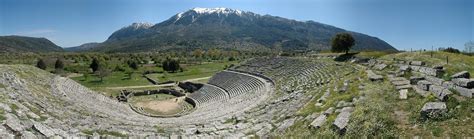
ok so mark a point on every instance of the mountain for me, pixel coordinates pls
(132, 31)
(83, 47)
(14, 44)
(225, 28)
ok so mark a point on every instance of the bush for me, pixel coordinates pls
(452, 50)
(40, 64)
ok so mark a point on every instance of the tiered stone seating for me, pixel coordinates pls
(208, 93)
(235, 83)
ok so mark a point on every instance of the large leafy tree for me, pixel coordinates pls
(342, 42)
(171, 65)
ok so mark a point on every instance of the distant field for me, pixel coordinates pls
(191, 72)
(120, 79)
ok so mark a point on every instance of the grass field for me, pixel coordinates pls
(456, 62)
(121, 79)
(192, 71)
(115, 79)
(383, 114)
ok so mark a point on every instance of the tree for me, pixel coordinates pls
(452, 50)
(102, 72)
(59, 65)
(165, 64)
(95, 65)
(171, 65)
(40, 64)
(342, 42)
(133, 65)
(174, 65)
(198, 53)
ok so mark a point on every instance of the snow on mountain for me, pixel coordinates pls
(140, 25)
(216, 10)
(196, 13)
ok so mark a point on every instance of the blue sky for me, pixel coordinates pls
(404, 24)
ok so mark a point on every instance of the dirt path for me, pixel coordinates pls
(197, 79)
(141, 86)
(161, 85)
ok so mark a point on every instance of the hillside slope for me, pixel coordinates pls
(9, 44)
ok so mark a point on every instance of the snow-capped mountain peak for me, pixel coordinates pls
(196, 13)
(216, 10)
(138, 25)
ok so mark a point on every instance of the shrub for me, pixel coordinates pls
(452, 50)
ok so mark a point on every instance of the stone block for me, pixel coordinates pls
(448, 84)
(46, 131)
(424, 85)
(414, 79)
(13, 123)
(434, 80)
(318, 122)
(400, 83)
(415, 68)
(421, 91)
(433, 110)
(464, 91)
(329, 111)
(403, 94)
(440, 92)
(431, 71)
(466, 83)
(380, 66)
(417, 63)
(341, 121)
(407, 86)
(405, 68)
(462, 74)
(374, 77)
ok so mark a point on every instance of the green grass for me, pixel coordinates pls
(159, 129)
(115, 79)
(456, 62)
(373, 54)
(192, 71)
(2, 86)
(88, 132)
(121, 79)
(2, 115)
